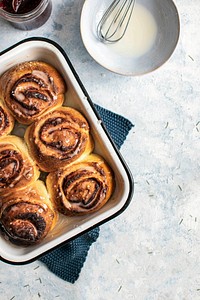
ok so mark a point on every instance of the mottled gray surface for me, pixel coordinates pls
(151, 251)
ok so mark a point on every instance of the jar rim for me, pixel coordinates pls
(27, 15)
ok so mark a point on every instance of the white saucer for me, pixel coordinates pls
(166, 17)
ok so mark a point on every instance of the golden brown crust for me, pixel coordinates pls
(59, 138)
(82, 187)
(27, 217)
(17, 169)
(30, 89)
(6, 120)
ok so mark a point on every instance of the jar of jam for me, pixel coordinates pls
(26, 14)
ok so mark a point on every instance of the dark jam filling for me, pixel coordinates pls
(19, 6)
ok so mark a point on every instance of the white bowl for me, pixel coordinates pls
(77, 97)
(162, 15)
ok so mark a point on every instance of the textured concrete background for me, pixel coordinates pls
(151, 251)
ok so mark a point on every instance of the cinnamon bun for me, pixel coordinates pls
(59, 138)
(17, 169)
(6, 120)
(30, 89)
(27, 217)
(82, 187)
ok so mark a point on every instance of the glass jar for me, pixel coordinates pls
(29, 20)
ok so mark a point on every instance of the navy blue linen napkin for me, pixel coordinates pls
(67, 261)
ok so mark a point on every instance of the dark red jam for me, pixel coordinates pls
(19, 6)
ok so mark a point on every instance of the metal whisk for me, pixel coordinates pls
(114, 22)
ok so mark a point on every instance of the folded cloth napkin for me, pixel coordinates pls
(67, 261)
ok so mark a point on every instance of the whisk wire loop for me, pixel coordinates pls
(113, 29)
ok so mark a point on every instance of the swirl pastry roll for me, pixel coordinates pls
(6, 120)
(30, 89)
(27, 217)
(17, 169)
(82, 187)
(59, 138)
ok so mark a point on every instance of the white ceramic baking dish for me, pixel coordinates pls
(69, 228)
